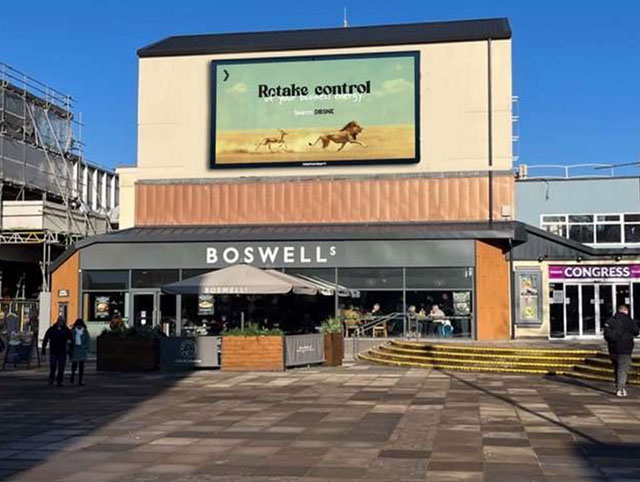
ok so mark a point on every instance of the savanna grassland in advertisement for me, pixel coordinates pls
(314, 111)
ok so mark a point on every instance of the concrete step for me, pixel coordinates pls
(562, 357)
(491, 350)
(437, 358)
(599, 378)
(455, 367)
(604, 371)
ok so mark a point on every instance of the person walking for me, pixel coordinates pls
(59, 336)
(619, 331)
(79, 350)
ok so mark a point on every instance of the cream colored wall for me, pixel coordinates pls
(174, 112)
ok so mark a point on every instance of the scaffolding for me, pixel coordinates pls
(49, 194)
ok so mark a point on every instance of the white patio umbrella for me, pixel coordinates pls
(241, 279)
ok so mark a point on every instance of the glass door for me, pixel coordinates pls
(556, 310)
(144, 312)
(605, 303)
(623, 295)
(167, 313)
(635, 301)
(572, 308)
(588, 307)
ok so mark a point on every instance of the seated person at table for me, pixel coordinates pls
(436, 317)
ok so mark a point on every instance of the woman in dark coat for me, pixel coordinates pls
(79, 349)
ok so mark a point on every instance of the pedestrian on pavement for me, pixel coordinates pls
(619, 331)
(79, 350)
(59, 336)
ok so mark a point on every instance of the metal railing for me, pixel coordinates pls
(573, 171)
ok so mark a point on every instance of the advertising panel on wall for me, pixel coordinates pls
(315, 110)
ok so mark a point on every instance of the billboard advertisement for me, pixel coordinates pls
(315, 111)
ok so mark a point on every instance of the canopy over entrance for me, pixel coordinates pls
(242, 279)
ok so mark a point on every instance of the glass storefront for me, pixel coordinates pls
(434, 302)
(580, 309)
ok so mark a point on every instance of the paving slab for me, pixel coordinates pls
(354, 423)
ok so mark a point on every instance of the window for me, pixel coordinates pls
(439, 278)
(632, 228)
(583, 233)
(153, 278)
(104, 306)
(555, 224)
(371, 278)
(105, 280)
(608, 233)
(594, 228)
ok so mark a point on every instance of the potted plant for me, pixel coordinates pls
(333, 342)
(128, 349)
(253, 349)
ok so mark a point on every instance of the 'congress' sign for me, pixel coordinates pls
(586, 271)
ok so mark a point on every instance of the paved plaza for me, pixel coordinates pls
(358, 422)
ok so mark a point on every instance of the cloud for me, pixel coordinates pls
(239, 88)
(394, 86)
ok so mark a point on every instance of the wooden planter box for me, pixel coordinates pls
(253, 353)
(333, 349)
(127, 354)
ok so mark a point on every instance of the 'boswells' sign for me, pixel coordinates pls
(587, 271)
(271, 255)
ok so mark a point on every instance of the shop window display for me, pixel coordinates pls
(104, 306)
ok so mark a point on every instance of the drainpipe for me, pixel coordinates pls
(490, 131)
(512, 308)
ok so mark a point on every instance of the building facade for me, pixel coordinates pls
(50, 196)
(375, 158)
(581, 259)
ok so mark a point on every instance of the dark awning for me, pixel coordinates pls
(500, 230)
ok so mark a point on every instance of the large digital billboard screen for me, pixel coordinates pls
(315, 111)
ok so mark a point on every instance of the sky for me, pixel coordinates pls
(576, 64)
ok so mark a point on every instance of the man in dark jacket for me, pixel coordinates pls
(619, 331)
(60, 337)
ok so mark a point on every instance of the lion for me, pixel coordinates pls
(346, 135)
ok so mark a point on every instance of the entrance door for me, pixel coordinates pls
(167, 313)
(588, 305)
(623, 295)
(606, 303)
(572, 310)
(144, 312)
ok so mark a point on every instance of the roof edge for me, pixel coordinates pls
(501, 31)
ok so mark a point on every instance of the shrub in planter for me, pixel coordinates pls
(333, 342)
(253, 349)
(128, 349)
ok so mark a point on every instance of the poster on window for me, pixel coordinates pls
(461, 303)
(529, 296)
(102, 307)
(205, 305)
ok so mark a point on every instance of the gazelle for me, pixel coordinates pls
(267, 141)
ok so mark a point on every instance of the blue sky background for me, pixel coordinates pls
(576, 64)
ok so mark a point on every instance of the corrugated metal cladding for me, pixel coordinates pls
(323, 201)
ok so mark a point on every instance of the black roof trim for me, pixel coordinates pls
(328, 38)
(302, 232)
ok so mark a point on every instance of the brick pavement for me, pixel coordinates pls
(360, 422)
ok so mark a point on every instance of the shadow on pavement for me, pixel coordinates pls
(595, 452)
(39, 421)
(578, 383)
